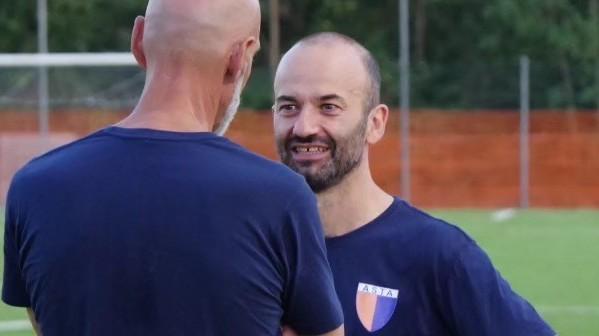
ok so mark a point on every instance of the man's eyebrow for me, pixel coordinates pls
(333, 97)
(284, 98)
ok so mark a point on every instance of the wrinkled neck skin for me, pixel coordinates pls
(174, 101)
(353, 203)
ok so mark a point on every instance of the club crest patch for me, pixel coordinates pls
(375, 305)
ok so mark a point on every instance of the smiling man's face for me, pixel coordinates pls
(319, 113)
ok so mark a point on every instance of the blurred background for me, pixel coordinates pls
(495, 122)
(466, 74)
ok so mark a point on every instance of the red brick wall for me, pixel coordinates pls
(459, 159)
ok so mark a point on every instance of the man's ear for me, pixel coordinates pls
(377, 122)
(239, 59)
(137, 37)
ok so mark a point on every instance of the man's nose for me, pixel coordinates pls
(306, 124)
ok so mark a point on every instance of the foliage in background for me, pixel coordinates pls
(464, 52)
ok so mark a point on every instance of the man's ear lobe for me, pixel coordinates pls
(137, 37)
(234, 64)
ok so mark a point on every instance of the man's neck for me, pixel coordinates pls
(353, 203)
(174, 103)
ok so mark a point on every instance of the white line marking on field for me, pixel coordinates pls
(18, 325)
(503, 215)
(570, 310)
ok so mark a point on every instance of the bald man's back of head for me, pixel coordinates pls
(198, 55)
(197, 30)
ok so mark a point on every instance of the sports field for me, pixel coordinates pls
(549, 256)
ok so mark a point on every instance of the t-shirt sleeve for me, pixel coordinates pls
(480, 302)
(13, 286)
(310, 301)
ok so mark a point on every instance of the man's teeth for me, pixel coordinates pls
(310, 149)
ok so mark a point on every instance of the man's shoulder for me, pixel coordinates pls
(45, 171)
(420, 231)
(264, 164)
(266, 173)
(49, 161)
(430, 228)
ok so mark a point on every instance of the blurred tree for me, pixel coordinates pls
(73, 25)
(18, 26)
(92, 25)
(555, 33)
(464, 52)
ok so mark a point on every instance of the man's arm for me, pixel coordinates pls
(478, 301)
(310, 303)
(34, 324)
(14, 291)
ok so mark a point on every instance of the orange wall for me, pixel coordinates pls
(459, 159)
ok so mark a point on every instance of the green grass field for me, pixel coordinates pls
(550, 257)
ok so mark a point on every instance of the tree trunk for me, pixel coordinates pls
(594, 13)
(420, 33)
(275, 36)
(569, 92)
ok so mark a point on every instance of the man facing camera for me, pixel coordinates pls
(398, 271)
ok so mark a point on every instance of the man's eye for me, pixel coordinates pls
(329, 107)
(286, 108)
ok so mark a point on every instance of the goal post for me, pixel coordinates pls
(44, 81)
(66, 60)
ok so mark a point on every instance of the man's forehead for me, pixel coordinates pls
(316, 91)
(333, 60)
(308, 76)
(317, 66)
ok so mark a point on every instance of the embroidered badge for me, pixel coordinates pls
(375, 305)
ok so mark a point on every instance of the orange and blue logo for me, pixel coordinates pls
(375, 305)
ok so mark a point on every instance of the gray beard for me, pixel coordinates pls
(224, 124)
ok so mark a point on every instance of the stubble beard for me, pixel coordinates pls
(346, 155)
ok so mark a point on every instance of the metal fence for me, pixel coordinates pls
(472, 141)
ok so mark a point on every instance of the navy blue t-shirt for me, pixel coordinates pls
(409, 274)
(145, 232)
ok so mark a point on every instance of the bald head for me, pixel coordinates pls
(329, 40)
(200, 29)
(199, 54)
